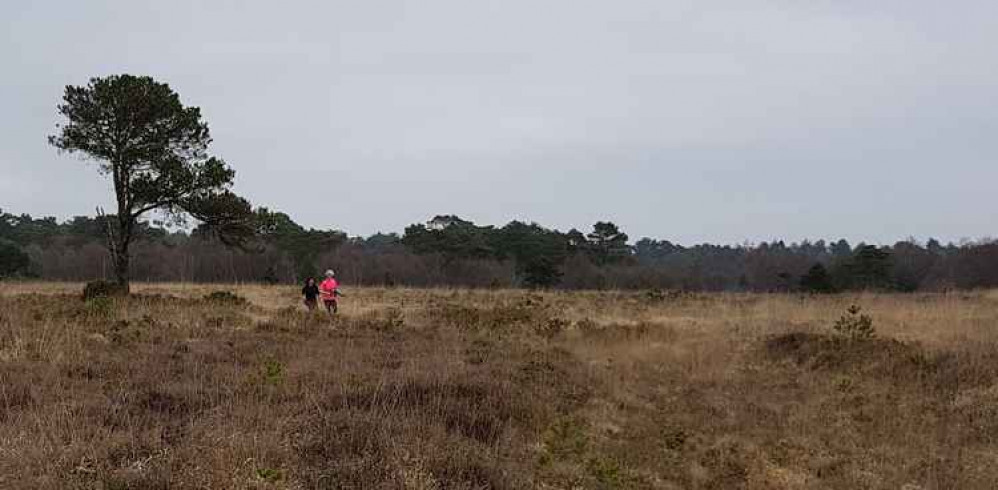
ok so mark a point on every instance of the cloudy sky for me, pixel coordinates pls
(697, 120)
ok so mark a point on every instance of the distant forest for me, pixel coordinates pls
(449, 251)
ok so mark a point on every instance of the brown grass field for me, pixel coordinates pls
(434, 389)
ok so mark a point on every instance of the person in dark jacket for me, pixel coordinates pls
(311, 294)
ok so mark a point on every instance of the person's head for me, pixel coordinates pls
(330, 274)
(310, 281)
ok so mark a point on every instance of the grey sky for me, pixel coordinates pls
(693, 121)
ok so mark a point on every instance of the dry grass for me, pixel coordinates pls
(429, 389)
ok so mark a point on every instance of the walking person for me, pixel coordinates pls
(329, 289)
(311, 294)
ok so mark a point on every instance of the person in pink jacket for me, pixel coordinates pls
(329, 291)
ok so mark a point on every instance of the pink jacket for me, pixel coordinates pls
(327, 288)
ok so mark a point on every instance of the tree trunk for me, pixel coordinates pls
(121, 253)
(121, 263)
(117, 245)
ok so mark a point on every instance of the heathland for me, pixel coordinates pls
(175, 387)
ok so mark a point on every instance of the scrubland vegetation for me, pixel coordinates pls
(175, 388)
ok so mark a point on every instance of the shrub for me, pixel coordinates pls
(817, 280)
(226, 297)
(541, 272)
(100, 307)
(102, 289)
(272, 371)
(269, 474)
(662, 295)
(390, 320)
(607, 471)
(394, 319)
(552, 327)
(587, 326)
(855, 325)
(13, 261)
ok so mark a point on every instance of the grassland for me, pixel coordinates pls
(433, 389)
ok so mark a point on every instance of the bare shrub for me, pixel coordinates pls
(102, 289)
(226, 298)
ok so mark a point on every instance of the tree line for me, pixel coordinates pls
(450, 251)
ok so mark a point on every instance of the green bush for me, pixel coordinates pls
(817, 280)
(272, 371)
(100, 307)
(269, 474)
(855, 325)
(13, 261)
(102, 289)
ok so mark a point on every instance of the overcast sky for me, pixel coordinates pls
(721, 121)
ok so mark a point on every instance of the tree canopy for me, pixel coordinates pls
(155, 150)
(13, 260)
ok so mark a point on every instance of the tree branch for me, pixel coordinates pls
(150, 207)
